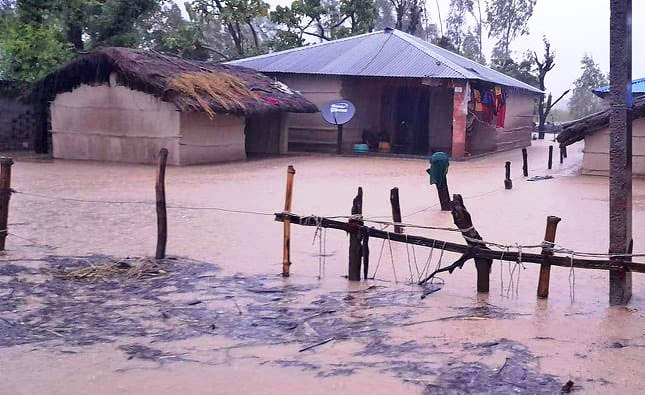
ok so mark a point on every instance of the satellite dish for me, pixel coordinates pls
(338, 112)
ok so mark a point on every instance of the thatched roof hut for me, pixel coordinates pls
(189, 85)
(577, 130)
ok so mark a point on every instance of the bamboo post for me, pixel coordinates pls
(396, 209)
(355, 247)
(286, 241)
(5, 195)
(545, 268)
(525, 162)
(508, 183)
(550, 164)
(462, 220)
(162, 220)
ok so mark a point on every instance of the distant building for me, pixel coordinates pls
(124, 105)
(594, 130)
(420, 97)
(638, 89)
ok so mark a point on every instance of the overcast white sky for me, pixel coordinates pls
(574, 27)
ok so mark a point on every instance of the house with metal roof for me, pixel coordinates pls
(638, 89)
(595, 130)
(414, 96)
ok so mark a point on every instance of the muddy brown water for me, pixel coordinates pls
(125, 336)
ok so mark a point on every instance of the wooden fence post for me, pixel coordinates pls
(355, 248)
(564, 150)
(508, 183)
(162, 220)
(5, 195)
(286, 240)
(545, 268)
(561, 155)
(444, 195)
(396, 209)
(462, 220)
(550, 164)
(525, 162)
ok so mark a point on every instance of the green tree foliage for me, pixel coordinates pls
(37, 36)
(385, 14)
(238, 17)
(465, 38)
(168, 32)
(324, 20)
(583, 102)
(409, 15)
(507, 20)
(28, 52)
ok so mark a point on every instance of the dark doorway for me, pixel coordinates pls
(262, 134)
(411, 121)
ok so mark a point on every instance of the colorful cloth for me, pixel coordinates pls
(478, 100)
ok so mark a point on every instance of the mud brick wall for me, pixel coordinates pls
(19, 123)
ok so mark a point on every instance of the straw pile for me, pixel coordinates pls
(138, 268)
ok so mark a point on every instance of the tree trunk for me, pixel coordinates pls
(255, 35)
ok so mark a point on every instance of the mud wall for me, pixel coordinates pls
(113, 123)
(310, 132)
(20, 124)
(266, 134)
(206, 140)
(516, 133)
(596, 152)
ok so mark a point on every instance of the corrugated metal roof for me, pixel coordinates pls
(386, 53)
(638, 88)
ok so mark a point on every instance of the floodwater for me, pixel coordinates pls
(384, 338)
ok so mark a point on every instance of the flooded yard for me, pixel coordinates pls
(216, 317)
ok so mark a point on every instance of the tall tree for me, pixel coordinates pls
(90, 23)
(409, 15)
(476, 12)
(466, 40)
(456, 24)
(325, 20)
(169, 32)
(583, 101)
(237, 16)
(385, 14)
(507, 20)
(543, 67)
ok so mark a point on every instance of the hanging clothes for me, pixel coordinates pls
(478, 100)
(501, 109)
(488, 102)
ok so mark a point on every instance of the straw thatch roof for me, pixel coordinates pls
(189, 85)
(575, 131)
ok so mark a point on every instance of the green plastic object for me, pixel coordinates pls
(438, 170)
